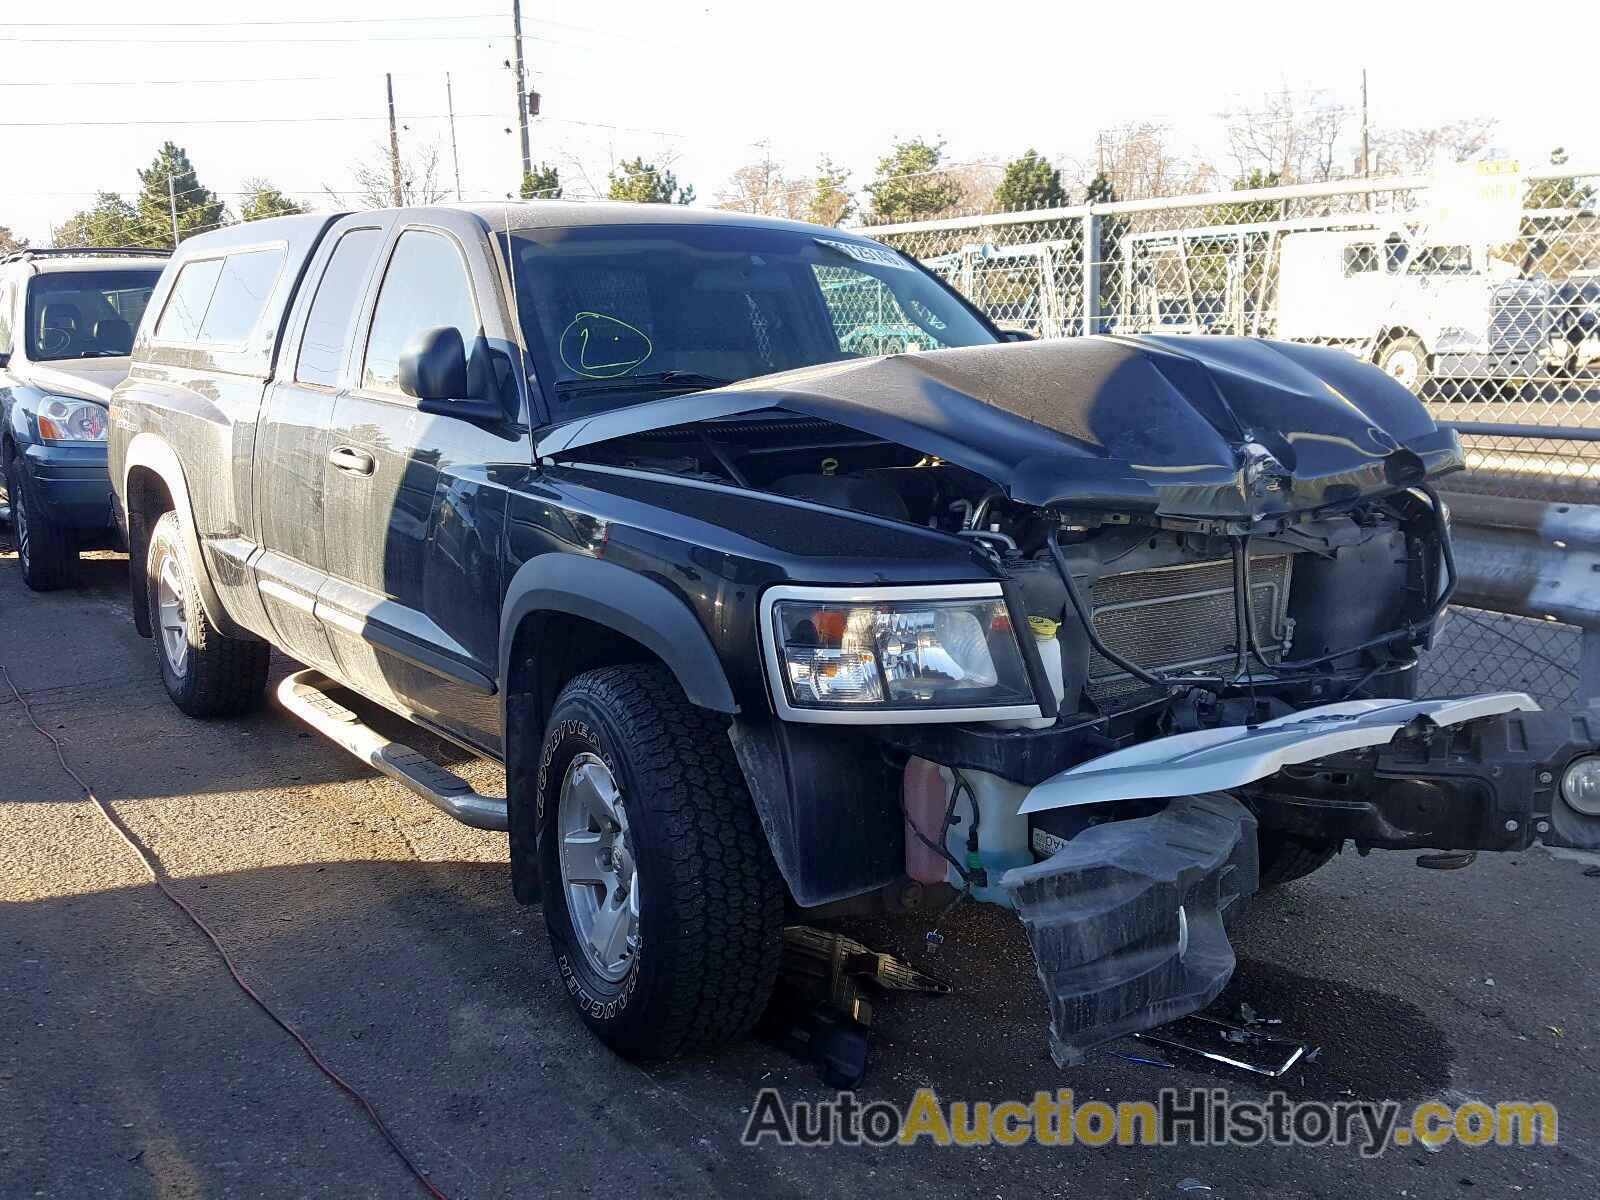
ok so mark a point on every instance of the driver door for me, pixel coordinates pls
(412, 518)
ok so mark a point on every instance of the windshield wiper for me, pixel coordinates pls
(656, 379)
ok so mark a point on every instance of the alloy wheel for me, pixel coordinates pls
(170, 613)
(597, 867)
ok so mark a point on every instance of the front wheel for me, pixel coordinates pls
(664, 905)
(207, 673)
(1405, 360)
(46, 552)
(1285, 858)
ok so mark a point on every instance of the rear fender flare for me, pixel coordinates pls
(150, 452)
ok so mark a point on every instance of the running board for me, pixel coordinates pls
(304, 694)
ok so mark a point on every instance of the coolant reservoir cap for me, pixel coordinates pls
(1043, 627)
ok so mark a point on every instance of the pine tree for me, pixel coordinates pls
(198, 207)
(262, 200)
(646, 183)
(542, 183)
(909, 185)
(829, 202)
(1030, 182)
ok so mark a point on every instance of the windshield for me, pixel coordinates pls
(617, 314)
(86, 314)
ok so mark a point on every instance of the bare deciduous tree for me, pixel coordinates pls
(761, 187)
(373, 179)
(1292, 135)
(1139, 163)
(1415, 151)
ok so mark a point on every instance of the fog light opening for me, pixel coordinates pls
(1580, 785)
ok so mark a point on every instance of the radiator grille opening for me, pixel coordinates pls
(1181, 617)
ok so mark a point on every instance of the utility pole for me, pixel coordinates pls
(394, 144)
(522, 92)
(455, 159)
(172, 205)
(1366, 161)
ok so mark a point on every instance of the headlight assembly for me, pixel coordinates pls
(941, 653)
(65, 420)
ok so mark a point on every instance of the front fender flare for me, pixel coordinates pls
(630, 603)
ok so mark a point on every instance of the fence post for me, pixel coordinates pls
(1589, 668)
(1091, 272)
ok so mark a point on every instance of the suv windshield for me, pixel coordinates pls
(86, 314)
(616, 314)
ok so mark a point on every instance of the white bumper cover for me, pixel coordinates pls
(1216, 760)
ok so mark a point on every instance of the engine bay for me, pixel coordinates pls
(1162, 604)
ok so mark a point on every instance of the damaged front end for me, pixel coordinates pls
(1214, 564)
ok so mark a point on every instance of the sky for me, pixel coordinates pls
(294, 91)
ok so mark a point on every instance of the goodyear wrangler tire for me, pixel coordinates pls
(664, 905)
(206, 673)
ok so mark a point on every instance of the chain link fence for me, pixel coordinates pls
(1500, 335)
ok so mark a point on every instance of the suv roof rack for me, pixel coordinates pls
(85, 252)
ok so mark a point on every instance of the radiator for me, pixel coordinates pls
(1181, 617)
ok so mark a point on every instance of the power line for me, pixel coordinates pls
(76, 83)
(280, 21)
(256, 41)
(232, 120)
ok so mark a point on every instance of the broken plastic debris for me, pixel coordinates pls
(1247, 1049)
(1142, 1061)
(1193, 1185)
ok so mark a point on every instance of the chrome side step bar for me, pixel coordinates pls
(304, 694)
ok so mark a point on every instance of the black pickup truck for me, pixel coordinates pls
(1111, 631)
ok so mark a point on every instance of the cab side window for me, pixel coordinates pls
(186, 307)
(332, 320)
(425, 287)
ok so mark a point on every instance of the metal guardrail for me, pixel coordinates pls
(1536, 560)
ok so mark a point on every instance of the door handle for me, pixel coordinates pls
(355, 462)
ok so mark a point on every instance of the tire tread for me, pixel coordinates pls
(728, 897)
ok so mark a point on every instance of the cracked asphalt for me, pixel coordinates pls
(131, 1066)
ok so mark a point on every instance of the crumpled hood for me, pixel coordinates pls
(1194, 426)
(86, 378)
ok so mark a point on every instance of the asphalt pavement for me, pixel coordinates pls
(132, 1066)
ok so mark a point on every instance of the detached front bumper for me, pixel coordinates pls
(1126, 918)
(1125, 921)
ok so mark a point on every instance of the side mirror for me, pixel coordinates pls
(1017, 335)
(433, 365)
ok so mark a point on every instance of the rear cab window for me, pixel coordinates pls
(218, 301)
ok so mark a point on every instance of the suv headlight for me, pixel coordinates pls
(940, 653)
(65, 420)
